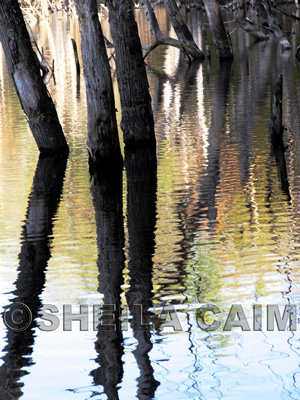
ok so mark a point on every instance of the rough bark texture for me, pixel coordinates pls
(24, 71)
(182, 31)
(102, 140)
(218, 30)
(137, 118)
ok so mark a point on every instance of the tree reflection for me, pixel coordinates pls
(106, 190)
(141, 221)
(34, 256)
(208, 184)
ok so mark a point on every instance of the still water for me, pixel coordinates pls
(216, 223)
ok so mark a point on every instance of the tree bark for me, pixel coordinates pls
(137, 118)
(24, 71)
(182, 31)
(218, 31)
(102, 140)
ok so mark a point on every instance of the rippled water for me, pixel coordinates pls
(217, 224)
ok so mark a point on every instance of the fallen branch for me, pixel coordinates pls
(280, 10)
(264, 7)
(161, 39)
(108, 44)
(249, 27)
(182, 31)
(150, 47)
(220, 37)
(44, 65)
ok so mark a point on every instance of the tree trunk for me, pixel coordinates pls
(246, 24)
(137, 118)
(264, 8)
(182, 31)
(102, 140)
(218, 30)
(25, 73)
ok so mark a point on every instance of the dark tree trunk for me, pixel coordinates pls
(218, 30)
(265, 11)
(102, 140)
(246, 24)
(24, 71)
(182, 31)
(137, 118)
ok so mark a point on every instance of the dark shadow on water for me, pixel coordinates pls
(141, 173)
(277, 151)
(34, 256)
(277, 134)
(106, 191)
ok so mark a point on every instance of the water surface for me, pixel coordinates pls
(216, 221)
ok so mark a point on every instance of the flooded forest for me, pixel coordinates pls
(149, 199)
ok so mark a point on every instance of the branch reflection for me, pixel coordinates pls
(34, 256)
